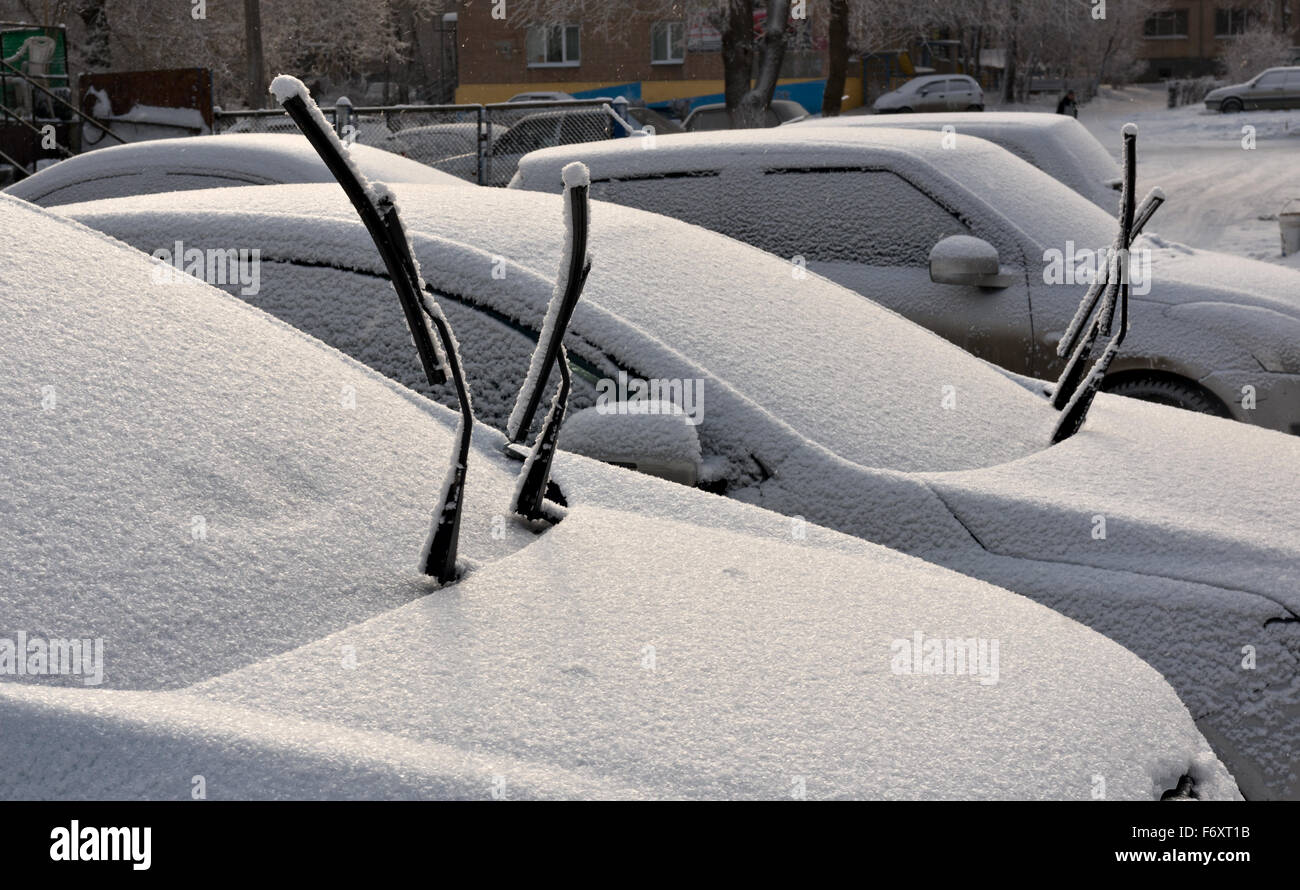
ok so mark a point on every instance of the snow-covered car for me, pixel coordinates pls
(1057, 144)
(227, 514)
(1173, 533)
(932, 92)
(867, 207)
(201, 162)
(1271, 89)
(542, 129)
(715, 116)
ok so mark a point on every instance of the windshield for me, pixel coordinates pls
(1048, 212)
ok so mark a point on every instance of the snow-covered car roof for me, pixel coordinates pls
(197, 162)
(234, 509)
(1020, 195)
(1055, 143)
(850, 375)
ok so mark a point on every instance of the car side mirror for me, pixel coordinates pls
(963, 259)
(651, 437)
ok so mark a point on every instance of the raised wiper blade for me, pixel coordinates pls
(1083, 331)
(1117, 294)
(374, 204)
(575, 266)
(395, 251)
(574, 269)
(1150, 204)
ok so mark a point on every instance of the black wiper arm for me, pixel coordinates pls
(530, 498)
(1150, 204)
(395, 252)
(1117, 294)
(1081, 335)
(575, 267)
(377, 210)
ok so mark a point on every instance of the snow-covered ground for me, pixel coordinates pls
(1222, 195)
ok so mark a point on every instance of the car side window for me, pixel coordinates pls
(1271, 81)
(526, 136)
(873, 217)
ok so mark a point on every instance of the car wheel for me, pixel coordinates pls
(1231, 106)
(974, 107)
(1167, 391)
(904, 110)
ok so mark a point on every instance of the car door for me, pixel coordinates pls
(872, 232)
(932, 96)
(1270, 91)
(1292, 98)
(959, 96)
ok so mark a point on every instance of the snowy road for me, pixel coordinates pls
(1222, 195)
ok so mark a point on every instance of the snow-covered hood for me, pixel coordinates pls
(1150, 490)
(1182, 275)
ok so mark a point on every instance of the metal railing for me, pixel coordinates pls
(479, 143)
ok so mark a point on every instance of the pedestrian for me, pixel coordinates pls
(1067, 105)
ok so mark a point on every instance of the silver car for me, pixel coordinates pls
(933, 92)
(1275, 88)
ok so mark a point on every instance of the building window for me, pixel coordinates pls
(668, 43)
(551, 45)
(1232, 21)
(1166, 24)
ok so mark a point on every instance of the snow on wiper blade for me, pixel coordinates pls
(365, 197)
(1073, 391)
(374, 204)
(575, 266)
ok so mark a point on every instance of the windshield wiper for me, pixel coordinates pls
(575, 266)
(374, 204)
(1074, 392)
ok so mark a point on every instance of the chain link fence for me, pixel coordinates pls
(479, 143)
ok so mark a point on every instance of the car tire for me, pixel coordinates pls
(904, 110)
(974, 107)
(1167, 391)
(1231, 106)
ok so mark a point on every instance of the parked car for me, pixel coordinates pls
(541, 97)
(1058, 145)
(809, 400)
(932, 92)
(451, 147)
(198, 162)
(233, 511)
(866, 206)
(715, 116)
(1273, 88)
(543, 129)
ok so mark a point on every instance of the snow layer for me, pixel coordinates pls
(1056, 144)
(721, 655)
(200, 162)
(889, 375)
(851, 455)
